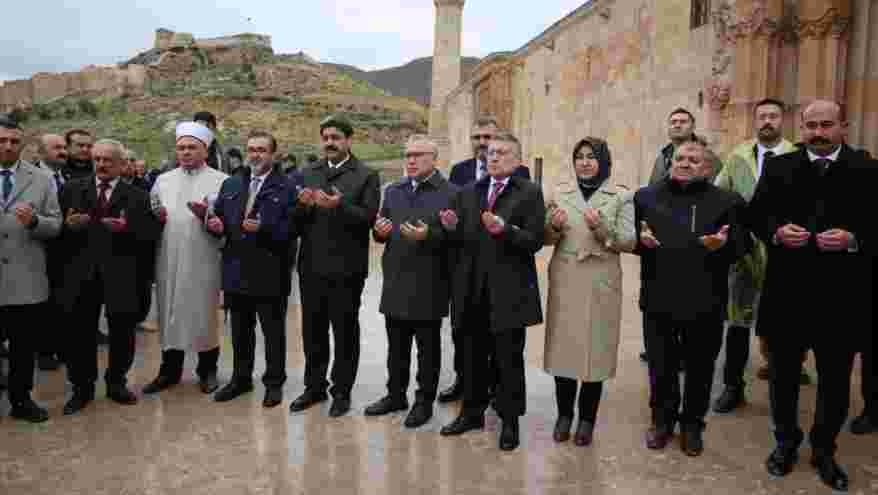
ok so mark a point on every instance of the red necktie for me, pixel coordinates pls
(495, 192)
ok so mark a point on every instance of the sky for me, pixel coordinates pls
(65, 35)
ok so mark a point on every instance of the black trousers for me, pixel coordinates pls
(82, 347)
(53, 315)
(21, 325)
(834, 359)
(400, 333)
(271, 312)
(457, 337)
(173, 360)
(870, 383)
(589, 398)
(507, 348)
(697, 344)
(649, 325)
(335, 301)
(737, 355)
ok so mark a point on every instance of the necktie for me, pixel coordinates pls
(768, 154)
(7, 184)
(495, 192)
(822, 165)
(483, 169)
(103, 200)
(254, 188)
(59, 182)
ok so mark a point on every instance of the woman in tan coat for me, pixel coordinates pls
(590, 221)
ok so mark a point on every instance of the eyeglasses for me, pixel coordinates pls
(826, 124)
(479, 137)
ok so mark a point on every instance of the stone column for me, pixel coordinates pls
(446, 68)
(862, 76)
(822, 29)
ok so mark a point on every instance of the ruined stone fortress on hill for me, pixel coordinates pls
(131, 78)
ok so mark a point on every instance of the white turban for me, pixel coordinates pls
(195, 130)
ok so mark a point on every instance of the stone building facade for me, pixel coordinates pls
(616, 68)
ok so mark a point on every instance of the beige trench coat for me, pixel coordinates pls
(584, 308)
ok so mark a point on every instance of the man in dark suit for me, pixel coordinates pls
(808, 210)
(463, 174)
(334, 215)
(251, 212)
(415, 293)
(499, 224)
(106, 224)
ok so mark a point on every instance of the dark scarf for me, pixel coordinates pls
(602, 153)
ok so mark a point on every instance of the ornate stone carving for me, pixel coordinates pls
(832, 23)
(723, 18)
(719, 92)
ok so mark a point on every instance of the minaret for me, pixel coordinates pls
(446, 67)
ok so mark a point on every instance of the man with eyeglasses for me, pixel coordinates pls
(499, 223)
(808, 210)
(463, 174)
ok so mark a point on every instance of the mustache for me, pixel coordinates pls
(330, 147)
(817, 140)
(768, 127)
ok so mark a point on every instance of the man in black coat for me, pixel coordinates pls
(463, 174)
(79, 159)
(415, 293)
(334, 215)
(690, 233)
(809, 210)
(106, 224)
(498, 222)
(252, 213)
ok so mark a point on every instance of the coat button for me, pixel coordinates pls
(5, 261)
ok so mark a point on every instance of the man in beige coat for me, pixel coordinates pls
(29, 216)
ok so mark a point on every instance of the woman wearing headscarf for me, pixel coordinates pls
(590, 221)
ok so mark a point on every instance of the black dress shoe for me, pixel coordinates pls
(208, 384)
(562, 429)
(643, 357)
(101, 338)
(340, 406)
(121, 394)
(584, 434)
(47, 362)
(4, 382)
(452, 393)
(232, 390)
(160, 383)
(658, 437)
(509, 435)
(463, 424)
(782, 461)
(306, 400)
(729, 400)
(28, 410)
(386, 405)
(419, 415)
(273, 397)
(77, 403)
(863, 424)
(4, 351)
(831, 473)
(691, 441)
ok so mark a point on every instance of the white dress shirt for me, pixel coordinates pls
(760, 159)
(339, 164)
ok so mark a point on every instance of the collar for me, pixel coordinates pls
(504, 180)
(261, 177)
(195, 171)
(777, 150)
(13, 168)
(112, 183)
(426, 179)
(833, 157)
(337, 165)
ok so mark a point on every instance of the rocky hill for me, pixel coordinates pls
(412, 80)
(240, 79)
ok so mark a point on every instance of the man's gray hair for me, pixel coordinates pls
(508, 137)
(119, 149)
(485, 121)
(423, 139)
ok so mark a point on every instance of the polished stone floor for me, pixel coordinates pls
(180, 442)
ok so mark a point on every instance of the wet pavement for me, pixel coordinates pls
(181, 442)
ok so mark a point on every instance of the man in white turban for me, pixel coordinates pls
(188, 269)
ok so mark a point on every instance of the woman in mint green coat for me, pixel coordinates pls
(590, 221)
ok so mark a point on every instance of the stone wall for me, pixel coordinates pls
(43, 86)
(862, 75)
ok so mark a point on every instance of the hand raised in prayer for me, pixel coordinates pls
(76, 220)
(198, 208)
(558, 219)
(715, 241)
(449, 219)
(215, 225)
(116, 225)
(792, 235)
(307, 197)
(329, 201)
(24, 213)
(383, 227)
(593, 218)
(251, 225)
(417, 232)
(161, 213)
(493, 223)
(834, 240)
(647, 238)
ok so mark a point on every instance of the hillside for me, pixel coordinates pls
(246, 87)
(412, 80)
